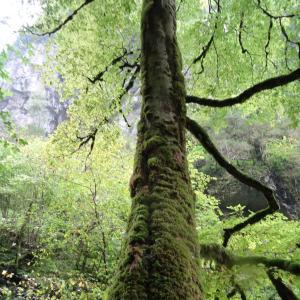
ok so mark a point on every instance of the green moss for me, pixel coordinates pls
(160, 254)
(153, 163)
(153, 142)
(147, 5)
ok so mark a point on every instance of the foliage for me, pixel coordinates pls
(64, 235)
(65, 201)
(283, 153)
(275, 237)
(72, 215)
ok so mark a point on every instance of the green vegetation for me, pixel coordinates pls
(77, 224)
(63, 220)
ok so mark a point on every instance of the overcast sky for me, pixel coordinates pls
(13, 15)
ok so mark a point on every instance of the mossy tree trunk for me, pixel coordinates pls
(160, 253)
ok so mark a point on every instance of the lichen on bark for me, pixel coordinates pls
(159, 259)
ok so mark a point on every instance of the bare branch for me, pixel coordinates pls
(201, 135)
(66, 21)
(90, 137)
(268, 84)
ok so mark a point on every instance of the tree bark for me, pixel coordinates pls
(159, 258)
(283, 291)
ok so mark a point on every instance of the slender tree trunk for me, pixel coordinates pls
(160, 253)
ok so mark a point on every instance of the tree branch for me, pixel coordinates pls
(200, 58)
(223, 257)
(279, 18)
(287, 38)
(283, 291)
(201, 135)
(267, 13)
(267, 52)
(236, 289)
(241, 28)
(86, 139)
(240, 38)
(99, 76)
(67, 20)
(268, 84)
(217, 61)
(179, 6)
(126, 88)
(205, 49)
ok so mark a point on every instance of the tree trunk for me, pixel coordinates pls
(160, 253)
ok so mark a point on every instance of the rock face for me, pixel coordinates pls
(286, 189)
(35, 108)
(246, 146)
(230, 193)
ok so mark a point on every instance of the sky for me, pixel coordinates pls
(13, 15)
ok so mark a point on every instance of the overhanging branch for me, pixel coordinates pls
(239, 290)
(267, 84)
(201, 135)
(287, 38)
(205, 49)
(240, 39)
(179, 6)
(86, 139)
(99, 76)
(223, 257)
(279, 19)
(67, 20)
(127, 86)
(267, 52)
(270, 15)
(283, 291)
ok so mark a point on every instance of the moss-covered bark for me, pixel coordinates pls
(160, 253)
